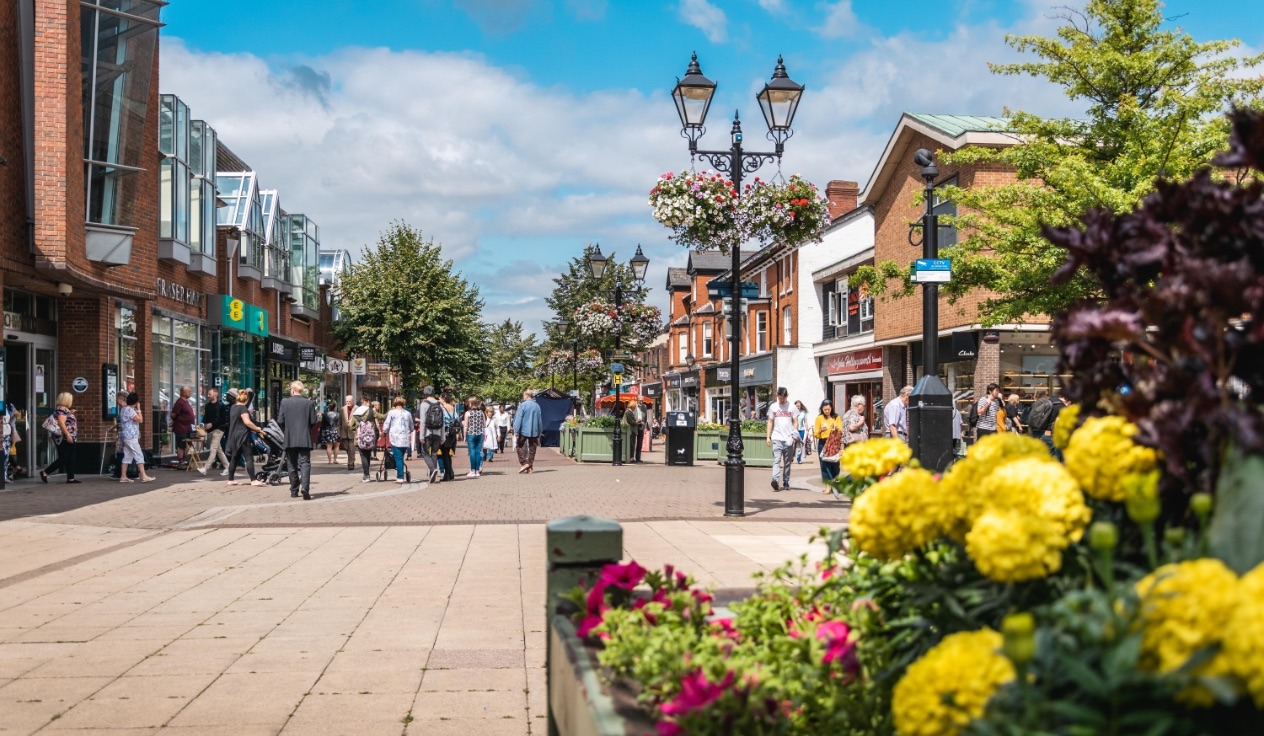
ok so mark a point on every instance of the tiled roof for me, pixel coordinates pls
(677, 278)
(709, 260)
(957, 125)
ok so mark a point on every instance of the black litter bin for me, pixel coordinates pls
(680, 426)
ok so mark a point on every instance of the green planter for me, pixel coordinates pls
(708, 444)
(594, 445)
(755, 451)
(567, 442)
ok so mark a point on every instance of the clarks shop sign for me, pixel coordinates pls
(179, 292)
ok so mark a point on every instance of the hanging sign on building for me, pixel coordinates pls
(282, 352)
(307, 355)
(227, 311)
(858, 361)
(79, 385)
(335, 366)
(359, 366)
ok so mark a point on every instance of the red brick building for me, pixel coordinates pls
(1018, 356)
(119, 265)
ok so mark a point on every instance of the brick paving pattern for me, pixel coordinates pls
(194, 608)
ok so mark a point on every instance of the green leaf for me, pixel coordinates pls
(1088, 680)
(1078, 714)
(1236, 534)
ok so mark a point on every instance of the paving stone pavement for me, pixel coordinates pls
(187, 607)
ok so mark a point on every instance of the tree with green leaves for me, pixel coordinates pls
(1154, 102)
(577, 287)
(511, 358)
(404, 303)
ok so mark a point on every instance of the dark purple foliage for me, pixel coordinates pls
(1177, 342)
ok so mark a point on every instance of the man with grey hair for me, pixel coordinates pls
(346, 436)
(895, 416)
(296, 417)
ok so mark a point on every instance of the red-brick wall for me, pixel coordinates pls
(13, 170)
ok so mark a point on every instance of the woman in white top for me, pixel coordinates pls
(801, 426)
(491, 437)
(399, 430)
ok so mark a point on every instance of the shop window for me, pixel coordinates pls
(181, 357)
(125, 335)
(117, 64)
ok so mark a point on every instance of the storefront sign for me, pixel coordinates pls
(282, 352)
(307, 355)
(179, 292)
(689, 380)
(671, 382)
(652, 390)
(854, 362)
(110, 380)
(724, 374)
(953, 348)
(757, 372)
(336, 367)
(18, 322)
(228, 311)
(79, 384)
(359, 366)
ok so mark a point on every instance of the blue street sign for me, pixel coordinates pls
(616, 367)
(932, 264)
(718, 288)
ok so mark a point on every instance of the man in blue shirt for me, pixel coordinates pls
(528, 424)
(895, 416)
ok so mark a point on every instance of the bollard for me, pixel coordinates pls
(578, 547)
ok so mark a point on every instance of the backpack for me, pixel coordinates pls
(366, 433)
(972, 419)
(434, 416)
(1038, 419)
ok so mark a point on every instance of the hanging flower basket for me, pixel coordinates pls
(563, 361)
(704, 212)
(640, 323)
(793, 213)
(700, 208)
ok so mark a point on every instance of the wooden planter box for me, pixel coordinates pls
(580, 703)
(756, 453)
(594, 445)
(708, 444)
(567, 444)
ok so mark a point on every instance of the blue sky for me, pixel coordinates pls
(515, 131)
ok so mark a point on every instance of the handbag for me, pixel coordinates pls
(833, 448)
(51, 426)
(383, 441)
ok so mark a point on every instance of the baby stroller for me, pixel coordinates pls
(387, 465)
(275, 466)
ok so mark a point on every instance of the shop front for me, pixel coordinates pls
(311, 371)
(181, 358)
(755, 382)
(958, 362)
(240, 362)
(855, 373)
(654, 391)
(282, 369)
(674, 399)
(690, 390)
(717, 393)
(28, 374)
(1028, 366)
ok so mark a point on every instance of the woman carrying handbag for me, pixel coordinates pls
(828, 431)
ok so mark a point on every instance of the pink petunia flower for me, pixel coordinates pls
(624, 577)
(587, 625)
(667, 728)
(696, 692)
(838, 642)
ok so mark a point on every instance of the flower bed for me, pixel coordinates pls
(1110, 584)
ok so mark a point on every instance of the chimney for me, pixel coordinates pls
(842, 196)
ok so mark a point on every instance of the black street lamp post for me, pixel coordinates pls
(930, 420)
(779, 100)
(597, 264)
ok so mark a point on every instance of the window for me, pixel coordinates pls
(785, 273)
(117, 60)
(787, 326)
(181, 357)
(683, 348)
(243, 210)
(763, 282)
(944, 208)
(761, 331)
(707, 340)
(304, 263)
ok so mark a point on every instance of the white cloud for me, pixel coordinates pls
(514, 178)
(773, 6)
(838, 20)
(706, 17)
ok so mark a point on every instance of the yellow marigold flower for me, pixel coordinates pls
(875, 458)
(1244, 637)
(941, 693)
(1102, 452)
(1012, 547)
(898, 514)
(1185, 608)
(984, 458)
(1066, 423)
(1033, 486)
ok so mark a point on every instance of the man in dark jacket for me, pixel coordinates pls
(296, 417)
(215, 422)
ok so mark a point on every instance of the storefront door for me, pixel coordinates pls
(30, 383)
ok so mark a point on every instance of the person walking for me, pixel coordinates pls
(828, 432)
(130, 419)
(491, 439)
(528, 424)
(215, 422)
(450, 436)
(1013, 414)
(296, 417)
(503, 423)
(240, 446)
(801, 427)
(895, 416)
(182, 420)
(474, 423)
(855, 426)
(399, 431)
(634, 417)
(430, 416)
(346, 433)
(331, 431)
(64, 430)
(366, 429)
(782, 437)
(986, 410)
